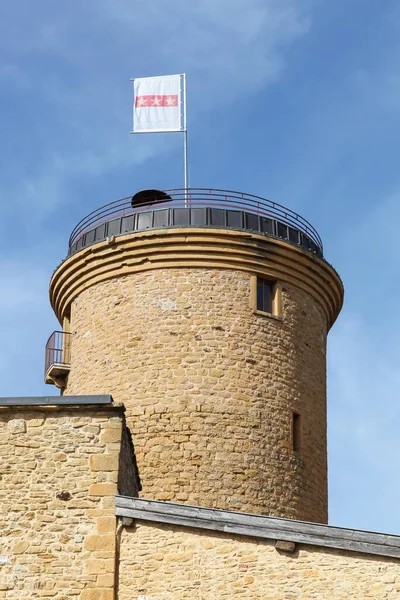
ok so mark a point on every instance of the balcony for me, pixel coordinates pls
(57, 359)
(195, 207)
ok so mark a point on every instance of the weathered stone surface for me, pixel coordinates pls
(106, 524)
(104, 462)
(17, 426)
(103, 489)
(111, 435)
(99, 542)
(164, 561)
(51, 532)
(20, 547)
(210, 387)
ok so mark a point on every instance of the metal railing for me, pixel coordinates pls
(198, 198)
(57, 350)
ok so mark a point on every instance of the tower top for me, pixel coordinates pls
(195, 207)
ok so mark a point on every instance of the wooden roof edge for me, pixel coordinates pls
(268, 528)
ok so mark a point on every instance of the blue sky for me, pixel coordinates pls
(294, 100)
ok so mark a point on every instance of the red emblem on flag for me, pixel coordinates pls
(150, 101)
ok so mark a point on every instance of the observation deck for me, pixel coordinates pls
(194, 207)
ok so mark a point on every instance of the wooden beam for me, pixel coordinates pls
(268, 528)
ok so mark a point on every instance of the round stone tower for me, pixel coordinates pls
(206, 313)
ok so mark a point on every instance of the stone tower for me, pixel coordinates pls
(206, 313)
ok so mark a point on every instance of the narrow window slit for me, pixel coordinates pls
(296, 432)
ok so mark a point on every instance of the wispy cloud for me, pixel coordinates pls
(230, 48)
(236, 46)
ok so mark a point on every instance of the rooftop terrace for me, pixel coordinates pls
(194, 207)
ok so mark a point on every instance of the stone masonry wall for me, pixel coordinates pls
(58, 479)
(209, 387)
(163, 562)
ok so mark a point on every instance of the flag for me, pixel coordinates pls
(157, 104)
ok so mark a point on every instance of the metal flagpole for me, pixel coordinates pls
(182, 123)
(185, 147)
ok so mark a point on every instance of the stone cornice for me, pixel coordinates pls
(197, 248)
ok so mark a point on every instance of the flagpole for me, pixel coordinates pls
(163, 123)
(185, 145)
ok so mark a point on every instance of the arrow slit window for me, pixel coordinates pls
(296, 432)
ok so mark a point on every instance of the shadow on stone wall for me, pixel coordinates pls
(128, 472)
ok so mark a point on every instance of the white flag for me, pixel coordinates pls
(157, 104)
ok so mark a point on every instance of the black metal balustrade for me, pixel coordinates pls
(195, 207)
(57, 358)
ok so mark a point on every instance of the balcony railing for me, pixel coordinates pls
(222, 208)
(57, 358)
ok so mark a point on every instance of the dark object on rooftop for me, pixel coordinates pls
(149, 197)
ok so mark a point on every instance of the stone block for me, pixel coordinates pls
(111, 435)
(17, 426)
(104, 462)
(20, 547)
(105, 580)
(103, 489)
(35, 422)
(99, 543)
(106, 524)
(97, 566)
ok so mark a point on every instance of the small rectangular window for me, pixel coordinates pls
(265, 292)
(296, 432)
(266, 297)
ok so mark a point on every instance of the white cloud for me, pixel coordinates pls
(230, 49)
